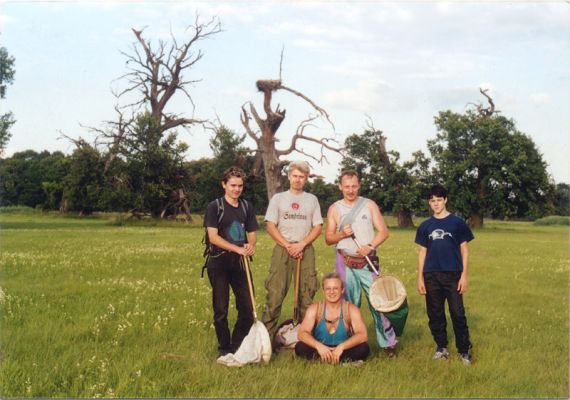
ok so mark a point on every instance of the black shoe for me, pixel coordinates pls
(223, 352)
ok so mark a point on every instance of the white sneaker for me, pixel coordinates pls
(441, 354)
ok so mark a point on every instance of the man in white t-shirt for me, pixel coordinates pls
(293, 221)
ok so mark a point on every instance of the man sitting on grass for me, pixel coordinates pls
(333, 329)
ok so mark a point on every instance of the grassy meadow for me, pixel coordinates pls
(94, 307)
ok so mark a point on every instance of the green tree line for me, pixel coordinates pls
(490, 168)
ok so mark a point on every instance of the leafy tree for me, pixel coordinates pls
(154, 164)
(327, 193)
(21, 180)
(561, 199)
(53, 168)
(205, 174)
(488, 167)
(25, 178)
(84, 182)
(7, 72)
(384, 179)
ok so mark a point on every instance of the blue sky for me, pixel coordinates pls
(397, 62)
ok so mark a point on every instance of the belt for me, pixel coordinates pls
(356, 262)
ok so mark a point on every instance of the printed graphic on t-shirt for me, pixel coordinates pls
(439, 234)
(236, 232)
(293, 214)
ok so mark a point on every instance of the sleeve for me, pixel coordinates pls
(211, 217)
(465, 233)
(317, 216)
(272, 213)
(421, 237)
(251, 222)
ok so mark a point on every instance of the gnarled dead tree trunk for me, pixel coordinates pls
(265, 140)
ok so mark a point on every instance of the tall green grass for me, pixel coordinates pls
(89, 309)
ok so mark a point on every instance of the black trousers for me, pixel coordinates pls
(224, 272)
(358, 352)
(442, 286)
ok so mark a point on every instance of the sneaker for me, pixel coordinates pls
(466, 358)
(441, 354)
(390, 352)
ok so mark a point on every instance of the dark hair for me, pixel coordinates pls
(349, 173)
(233, 172)
(332, 275)
(437, 191)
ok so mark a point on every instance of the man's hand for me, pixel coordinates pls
(462, 284)
(295, 250)
(421, 286)
(336, 353)
(249, 249)
(364, 250)
(325, 353)
(347, 231)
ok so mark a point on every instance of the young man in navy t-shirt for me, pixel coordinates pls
(442, 273)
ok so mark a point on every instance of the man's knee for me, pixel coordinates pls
(304, 350)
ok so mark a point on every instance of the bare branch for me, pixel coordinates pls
(281, 63)
(244, 117)
(311, 102)
(300, 134)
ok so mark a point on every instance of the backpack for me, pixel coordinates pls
(345, 315)
(209, 249)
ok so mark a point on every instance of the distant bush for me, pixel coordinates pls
(19, 210)
(553, 220)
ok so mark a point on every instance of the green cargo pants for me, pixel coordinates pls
(281, 274)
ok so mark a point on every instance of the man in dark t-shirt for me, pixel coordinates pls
(231, 238)
(442, 273)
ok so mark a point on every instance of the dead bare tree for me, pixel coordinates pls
(485, 111)
(158, 73)
(266, 152)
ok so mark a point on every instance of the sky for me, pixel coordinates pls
(396, 64)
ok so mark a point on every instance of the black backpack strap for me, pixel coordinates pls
(220, 203)
(206, 240)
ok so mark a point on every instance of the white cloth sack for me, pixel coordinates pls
(255, 348)
(287, 336)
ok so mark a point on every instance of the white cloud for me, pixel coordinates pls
(539, 98)
(367, 96)
(7, 20)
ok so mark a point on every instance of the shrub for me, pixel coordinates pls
(19, 210)
(553, 220)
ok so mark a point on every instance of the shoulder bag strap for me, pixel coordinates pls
(348, 219)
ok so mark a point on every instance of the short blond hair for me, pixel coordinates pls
(302, 166)
(332, 275)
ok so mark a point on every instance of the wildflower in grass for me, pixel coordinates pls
(28, 386)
